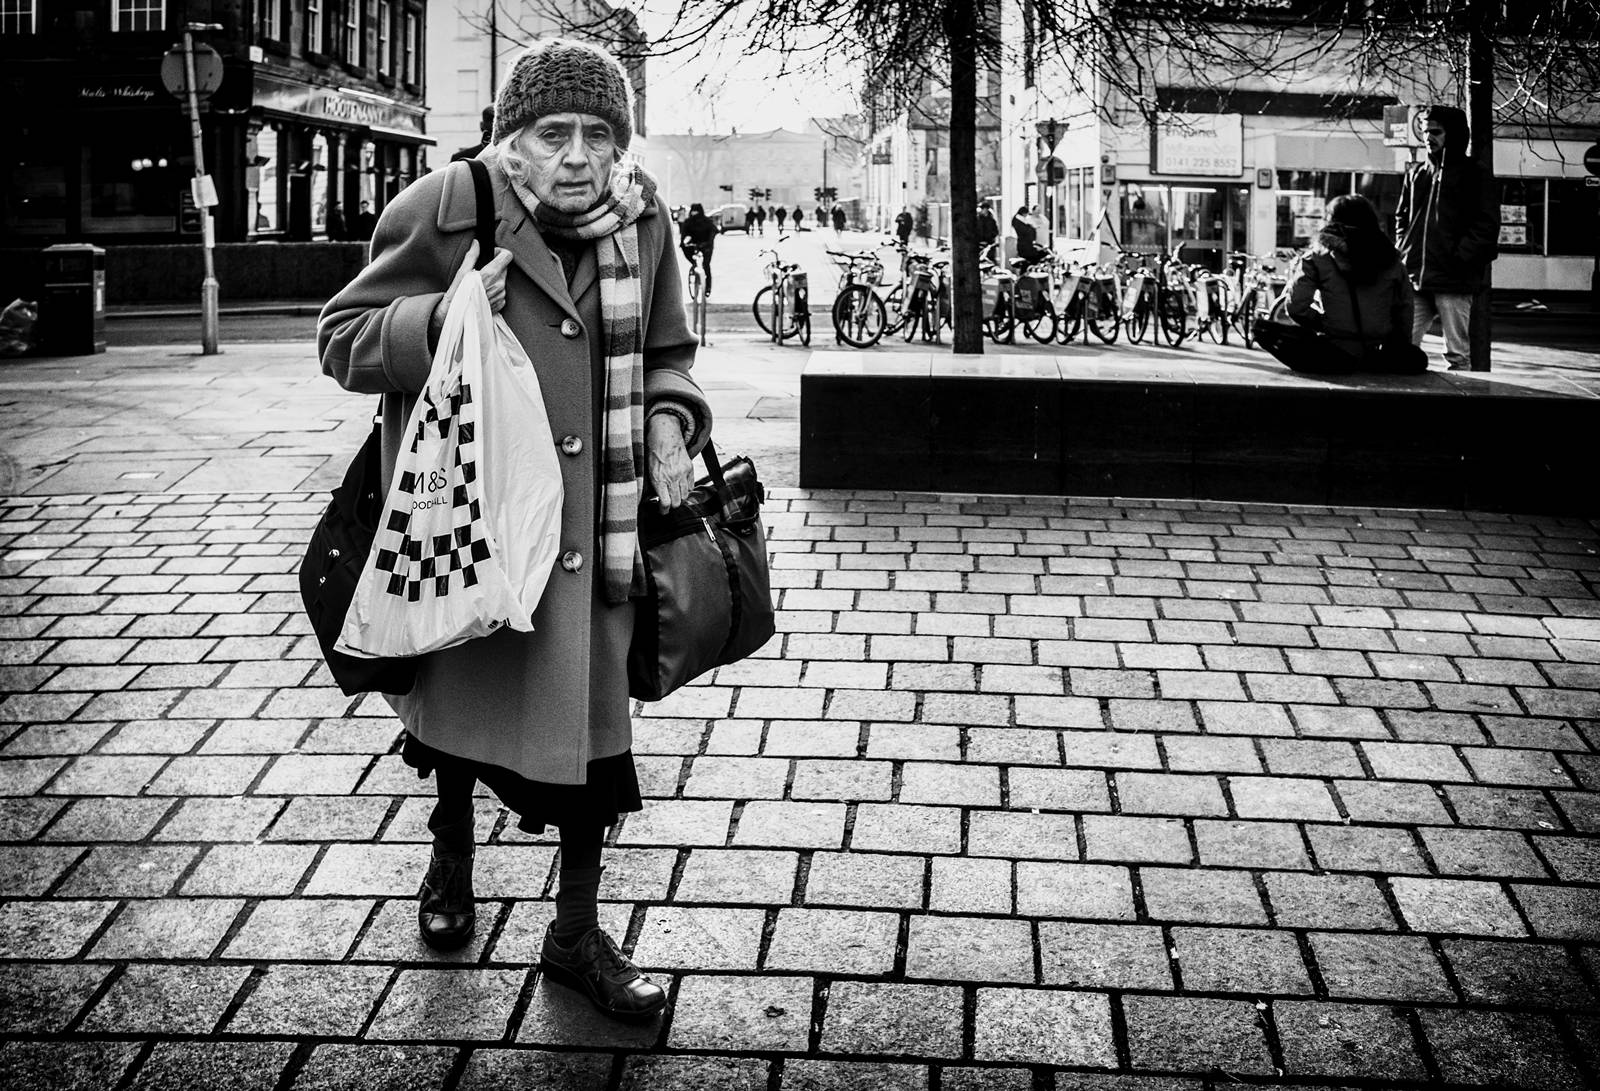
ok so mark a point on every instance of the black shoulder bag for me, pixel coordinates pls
(708, 592)
(1393, 357)
(342, 539)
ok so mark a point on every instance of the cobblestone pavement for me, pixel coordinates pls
(1026, 794)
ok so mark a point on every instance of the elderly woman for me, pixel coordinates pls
(585, 275)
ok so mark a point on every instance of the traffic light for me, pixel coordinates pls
(727, 187)
(816, 191)
(769, 195)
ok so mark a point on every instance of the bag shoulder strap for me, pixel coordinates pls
(484, 195)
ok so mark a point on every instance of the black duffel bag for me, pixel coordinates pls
(708, 592)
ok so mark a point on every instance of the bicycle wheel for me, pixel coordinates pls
(1042, 326)
(1002, 326)
(1103, 316)
(894, 315)
(915, 306)
(1071, 319)
(802, 325)
(1247, 319)
(931, 318)
(1220, 315)
(761, 307)
(1138, 322)
(1173, 315)
(859, 317)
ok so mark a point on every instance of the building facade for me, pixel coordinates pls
(786, 166)
(318, 117)
(472, 44)
(1247, 164)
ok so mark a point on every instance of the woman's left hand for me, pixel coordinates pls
(671, 472)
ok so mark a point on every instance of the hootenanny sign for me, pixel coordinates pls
(334, 104)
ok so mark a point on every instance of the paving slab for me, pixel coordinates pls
(1027, 792)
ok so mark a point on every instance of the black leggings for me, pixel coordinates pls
(451, 822)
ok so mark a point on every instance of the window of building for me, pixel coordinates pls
(139, 14)
(1572, 209)
(130, 180)
(1522, 216)
(19, 16)
(385, 21)
(314, 27)
(272, 20)
(411, 68)
(350, 36)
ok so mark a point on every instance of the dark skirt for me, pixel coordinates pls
(611, 791)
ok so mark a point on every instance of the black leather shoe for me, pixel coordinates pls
(595, 967)
(446, 915)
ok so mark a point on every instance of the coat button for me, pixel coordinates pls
(570, 328)
(572, 560)
(571, 445)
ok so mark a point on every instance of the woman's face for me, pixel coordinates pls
(570, 157)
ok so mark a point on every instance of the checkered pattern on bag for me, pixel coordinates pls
(429, 562)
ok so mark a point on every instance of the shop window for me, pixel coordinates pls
(1383, 190)
(1302, 203)
(1572, 212)
(139, 14)
(19, 16)
(385, 63)
(319, 185)
(1522, 216)
(264, 184)
(35, 187)
(314, 27)
(131, 183)
(1144, 217)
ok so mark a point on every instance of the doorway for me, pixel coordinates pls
(1204, 221)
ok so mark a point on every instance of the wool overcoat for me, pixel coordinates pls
(545, 703)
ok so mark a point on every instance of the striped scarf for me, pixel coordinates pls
(612, 225)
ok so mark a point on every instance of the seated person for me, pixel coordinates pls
(1364, 322)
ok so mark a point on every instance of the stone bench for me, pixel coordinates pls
(1122, 426)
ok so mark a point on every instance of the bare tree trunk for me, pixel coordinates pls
(1480, 111)
(966, 289)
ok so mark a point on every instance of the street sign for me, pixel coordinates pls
(207, 71)
(1052, 171)
(1591, 160)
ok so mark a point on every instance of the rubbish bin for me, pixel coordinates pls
(72, 317)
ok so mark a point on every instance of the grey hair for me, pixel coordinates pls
(515, 161)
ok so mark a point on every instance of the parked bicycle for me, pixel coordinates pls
(859, 315)
(1262, 282)
(782, 308)
(1155, 294)
(1091, 304)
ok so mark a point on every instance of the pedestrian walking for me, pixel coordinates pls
(699, 233)
(366, 222)
(988, 232)
(1448, 226)
(761, 219)
(903, 224)
(838, 220)
(822, 219)
(780, 215)
(1364, 320)
(749, 221)
(799, 219)
(486, 129)
(594, 298)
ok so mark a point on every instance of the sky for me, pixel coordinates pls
(718, 89)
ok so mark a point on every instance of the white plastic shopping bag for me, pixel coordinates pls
(472, 520)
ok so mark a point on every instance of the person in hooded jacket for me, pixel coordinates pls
(699, 232)
(1364, 321)
(1448, 229)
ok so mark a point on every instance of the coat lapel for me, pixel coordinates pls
(588, 269)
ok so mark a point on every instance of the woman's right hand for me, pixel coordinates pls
(494, 281)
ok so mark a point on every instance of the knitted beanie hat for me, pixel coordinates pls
(559, 76)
